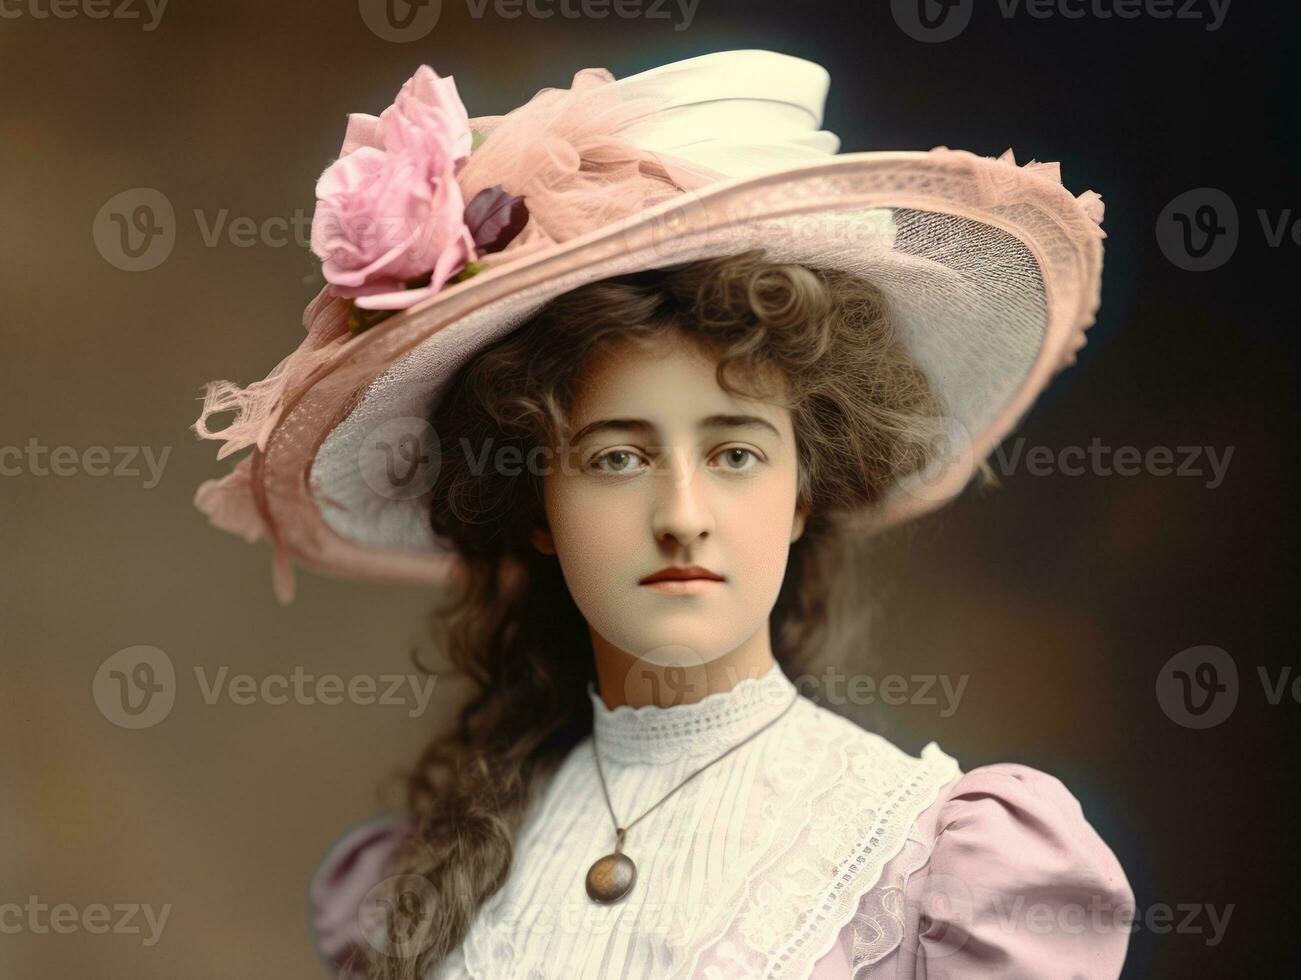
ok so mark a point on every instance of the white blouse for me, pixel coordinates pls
(815, 850)
(751, 869)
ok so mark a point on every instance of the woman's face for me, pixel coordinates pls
(664, 469)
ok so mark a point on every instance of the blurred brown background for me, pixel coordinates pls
(1061, 598)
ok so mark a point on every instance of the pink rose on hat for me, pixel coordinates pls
(389, 211)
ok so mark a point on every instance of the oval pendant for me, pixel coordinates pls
(610, 878)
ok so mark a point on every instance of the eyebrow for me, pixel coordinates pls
(709, 422)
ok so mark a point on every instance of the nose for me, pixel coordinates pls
(682, 513)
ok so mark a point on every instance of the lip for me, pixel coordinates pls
(677, 573)
(684, 586)
(677, 580)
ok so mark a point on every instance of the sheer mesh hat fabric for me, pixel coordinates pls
(991, 271)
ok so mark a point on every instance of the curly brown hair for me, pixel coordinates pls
(863, 414)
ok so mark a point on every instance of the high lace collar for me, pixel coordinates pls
(654, 735)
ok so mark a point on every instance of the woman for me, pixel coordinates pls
(637, 456)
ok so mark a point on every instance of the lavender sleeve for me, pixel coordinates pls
(1018, 884)
(354, 865)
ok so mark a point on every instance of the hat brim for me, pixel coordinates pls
(1017, 236)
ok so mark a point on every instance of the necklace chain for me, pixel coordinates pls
(622, 831)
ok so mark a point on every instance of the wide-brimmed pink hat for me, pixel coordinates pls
(440, 234)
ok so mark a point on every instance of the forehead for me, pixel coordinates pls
(665, 380)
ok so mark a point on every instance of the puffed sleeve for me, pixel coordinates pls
(354, 865)
(1018, 884)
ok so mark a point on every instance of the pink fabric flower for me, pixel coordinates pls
(390, 210)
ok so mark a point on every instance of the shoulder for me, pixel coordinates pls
(823, 724)
(351, 868)
(1000, 809)
(874, 759)
(1019, 879)
(1007, 807)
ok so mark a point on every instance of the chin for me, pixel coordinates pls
(682, 640)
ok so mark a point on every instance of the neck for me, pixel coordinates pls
(624, 679)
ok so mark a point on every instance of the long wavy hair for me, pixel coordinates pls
(863, 415)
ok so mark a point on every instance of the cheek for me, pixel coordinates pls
(758, 537)
(595, 536)
(584, 522)
(600, 546)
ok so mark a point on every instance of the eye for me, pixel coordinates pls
(615, 462)
(738, 459)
